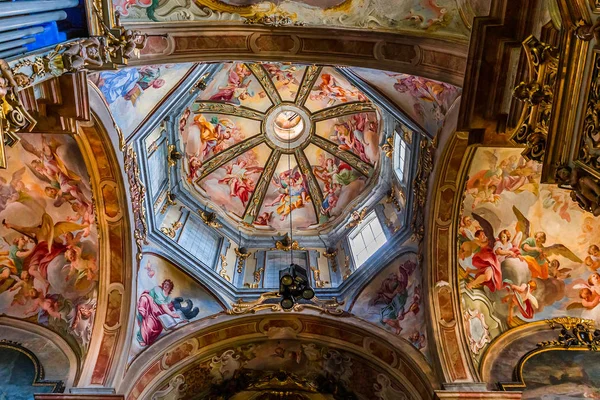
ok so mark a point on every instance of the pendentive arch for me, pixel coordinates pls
(399, 359)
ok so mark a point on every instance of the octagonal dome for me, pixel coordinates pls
(268, 143)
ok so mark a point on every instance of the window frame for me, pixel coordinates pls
(358, 231)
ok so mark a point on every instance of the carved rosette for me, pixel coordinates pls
(537, 94)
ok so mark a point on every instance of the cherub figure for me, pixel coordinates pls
(534, 251)
(504, 248)
(592, 261)
(555, 271)
(45, 306)
(23, 287)
(83, 267)
(83, 52)
(521, 296)
(263, 218)
(417, 339)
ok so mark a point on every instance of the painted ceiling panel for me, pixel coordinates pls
(235, 84)
(429, 17)
(339, 182)
(356, 133)
(426, 101)
(132, 94)
(286, 78)
(233, 183)
(287, 192)
(236, 151)
(331, 89)
(205, 134)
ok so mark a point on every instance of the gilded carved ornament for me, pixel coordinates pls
(172, 230)
(137, 194)
(331, 255)
(13, 116)
(257, 278)
(210, 219)
(388, 147)
(223, 270)
(537, 94)
(574, 332)
(242, 254)
(286, 244)
(270, 301)
(317, 278)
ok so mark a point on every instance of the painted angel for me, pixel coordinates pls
(589, 294)
(48, 245)
(237, 177)
(486, 266)
(521, 297)
(293, 193)
(534, 251)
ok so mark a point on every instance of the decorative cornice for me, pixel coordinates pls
(286, 244)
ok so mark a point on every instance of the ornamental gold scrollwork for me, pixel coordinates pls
(172, 230)
(574, 332)
(317, 278)
(13, 116)
(537, 94)
(223, 271)
(286, 244)
(331, 255)
(257, 278)
(424, 168)
(137, 193)
(270, 301)
(388, 147)
(242, 255)
(210, 219)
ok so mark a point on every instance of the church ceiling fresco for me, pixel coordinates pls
(526, 251)
(167, 299)
(426, 101)
(134, 93)
(432, 17)
(239, 159)
(49, 249)
(393, 301)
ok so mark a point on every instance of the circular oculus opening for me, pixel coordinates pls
(288, 125)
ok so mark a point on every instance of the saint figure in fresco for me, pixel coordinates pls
(236, 89)
(129, 83)
(394, 294)
(152, 305)
(534, 251)
(293, 193)
(350, 135)
(241, 184)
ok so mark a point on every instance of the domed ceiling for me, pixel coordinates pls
(266, 143)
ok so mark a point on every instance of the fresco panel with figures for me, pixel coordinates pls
(426, 101)
(393, 301)
(49, 249)
(167, 299)
(526, 247)
(134, 93)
